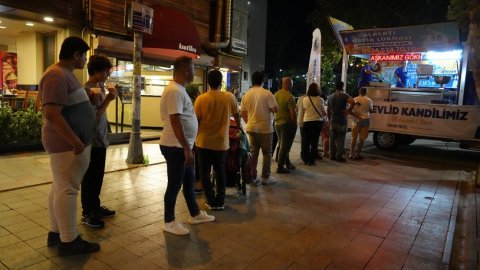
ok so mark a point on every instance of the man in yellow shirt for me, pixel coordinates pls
(214, 109)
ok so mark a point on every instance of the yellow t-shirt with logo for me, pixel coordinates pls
(214, 109)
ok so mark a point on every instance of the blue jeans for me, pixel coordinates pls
(206, 159)
(337, 139)
(178, 174)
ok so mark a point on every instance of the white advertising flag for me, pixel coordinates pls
(313, 74)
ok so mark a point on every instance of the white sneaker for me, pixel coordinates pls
(268, 181)
(201, 218)
(175, 228)
(256, 182)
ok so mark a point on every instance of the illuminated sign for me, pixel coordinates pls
(397, 57)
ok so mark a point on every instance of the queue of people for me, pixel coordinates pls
(75, 131)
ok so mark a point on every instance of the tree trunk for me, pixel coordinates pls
(474, 43)
(135, 150)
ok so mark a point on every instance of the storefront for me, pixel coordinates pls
(174, 35)
(30, 38)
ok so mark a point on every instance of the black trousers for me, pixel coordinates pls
(311, 132)
(93, 180)
(206, 160)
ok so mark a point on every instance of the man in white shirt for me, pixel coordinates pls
(176, 143)
(257, 109)
(362, 110)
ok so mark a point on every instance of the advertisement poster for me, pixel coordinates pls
(429, 120)
(9, 70)
(419, 38)
(314, 65)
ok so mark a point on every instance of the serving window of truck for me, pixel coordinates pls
(428, 101)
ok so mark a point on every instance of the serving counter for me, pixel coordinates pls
(149, 112)
(415, 95)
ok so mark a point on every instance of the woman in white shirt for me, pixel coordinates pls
(313, 113)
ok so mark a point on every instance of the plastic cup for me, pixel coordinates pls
(96, 90)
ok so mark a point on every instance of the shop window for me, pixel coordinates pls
(49, 49)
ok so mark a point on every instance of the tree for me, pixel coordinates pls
(467, 13)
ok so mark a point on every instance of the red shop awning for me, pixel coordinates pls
(174, 35)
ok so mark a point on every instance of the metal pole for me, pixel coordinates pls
(135, 150)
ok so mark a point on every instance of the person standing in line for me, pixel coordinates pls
(213, 110)
(98, 69)
(69, 124)
(401, 75)
(176, 144)
(366, 74)
(300, 113)
(337, 114)
(314, 108)
(362, 110)
(257, 108)
(325, 132)
(285, 125)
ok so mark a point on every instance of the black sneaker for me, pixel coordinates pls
(220, 207)
(104, 212)
(53, 239)
(77, 246)
(93, 221)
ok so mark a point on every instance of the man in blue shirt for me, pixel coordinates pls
(401, 75)
(367, 73)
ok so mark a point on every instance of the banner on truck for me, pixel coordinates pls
(418, 38)
(429, 120)
(314, 65)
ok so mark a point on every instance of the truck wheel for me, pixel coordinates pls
(385, 140)
(406, 140)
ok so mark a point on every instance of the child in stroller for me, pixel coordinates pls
(239, 165)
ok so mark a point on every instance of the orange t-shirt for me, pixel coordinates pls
(214, 109)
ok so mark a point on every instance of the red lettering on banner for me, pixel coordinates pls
(396, 57)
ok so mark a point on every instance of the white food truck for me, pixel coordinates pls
(434, 103)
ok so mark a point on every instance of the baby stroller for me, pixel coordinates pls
(239, 163)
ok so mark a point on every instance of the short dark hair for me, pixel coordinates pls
(339, 85)
(363, 91)
(258, 77)
(71, 45)
(98, 63)
(181, 62)
(313, 90)
(214, 79)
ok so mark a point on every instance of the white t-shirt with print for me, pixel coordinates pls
(257, 102)
(175, 100)
(363, 106)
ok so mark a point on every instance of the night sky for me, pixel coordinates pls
(289, 31)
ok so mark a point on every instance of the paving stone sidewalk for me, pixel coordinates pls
(371, 214)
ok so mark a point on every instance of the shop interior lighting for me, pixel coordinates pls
(447, 55)
(166, 68)
(129, 67)
(29, 24)
(224, 69)
(2, 27)
(48, 19)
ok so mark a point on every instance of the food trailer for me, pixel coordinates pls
(430, 105)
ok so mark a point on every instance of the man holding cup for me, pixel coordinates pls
(98, 69)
